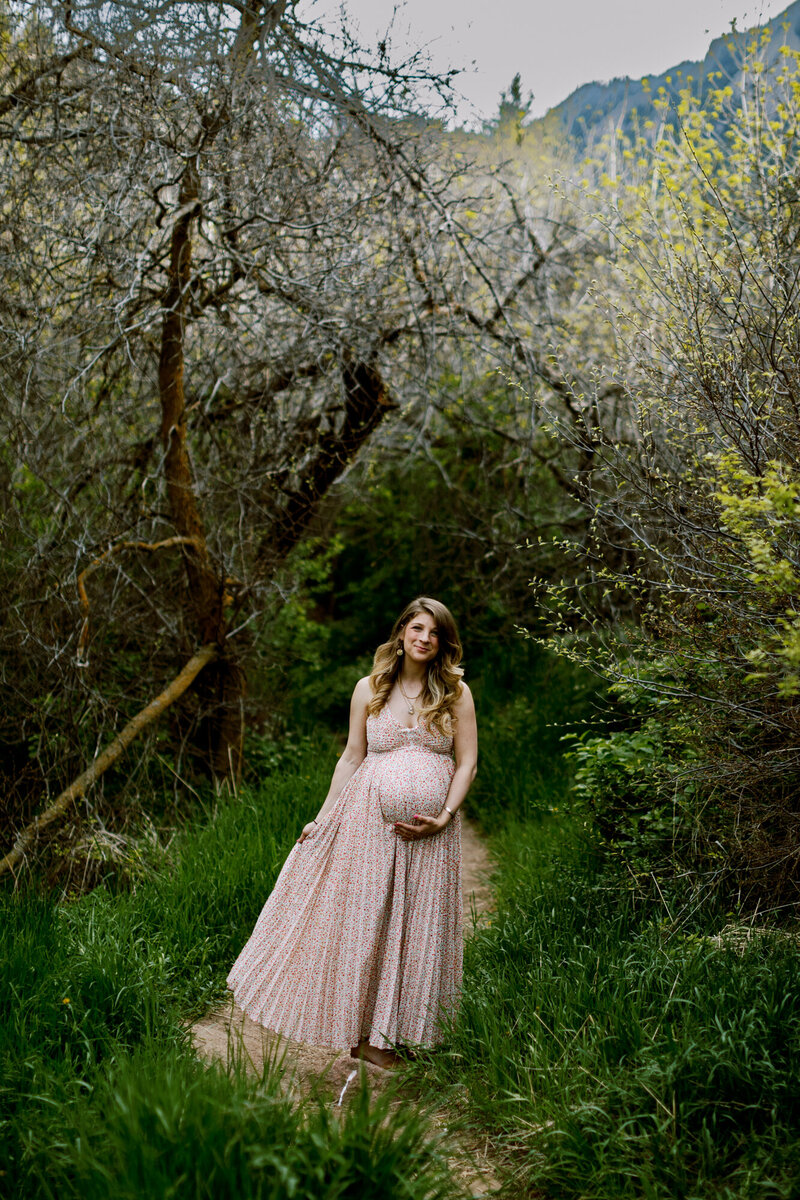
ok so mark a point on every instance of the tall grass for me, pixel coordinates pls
(526, 702)
(619, 1060)
(610, 1046)
(100, 1092)
(613, 1046)
(160, 1124)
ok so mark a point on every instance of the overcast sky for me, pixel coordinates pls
(556, 45)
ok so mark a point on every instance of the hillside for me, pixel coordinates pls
(593, 107)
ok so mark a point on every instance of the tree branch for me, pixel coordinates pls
(109, 756)
(81, 657)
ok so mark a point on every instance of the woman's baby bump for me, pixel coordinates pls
(413, 781)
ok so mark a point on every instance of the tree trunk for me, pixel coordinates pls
(367, 401)
(205, 585)
(221, 691)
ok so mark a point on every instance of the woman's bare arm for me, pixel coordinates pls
(465, 748)
(353, 754)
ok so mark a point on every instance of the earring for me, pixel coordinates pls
(399, 651)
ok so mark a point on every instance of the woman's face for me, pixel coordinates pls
(421, 638)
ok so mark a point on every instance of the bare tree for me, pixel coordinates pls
(232, 247)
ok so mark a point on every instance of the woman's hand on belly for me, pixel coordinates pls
(424, 827)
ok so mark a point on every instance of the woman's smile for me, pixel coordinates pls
(421, 637)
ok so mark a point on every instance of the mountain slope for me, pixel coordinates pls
(592, 108)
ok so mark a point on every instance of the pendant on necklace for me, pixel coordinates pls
(411, 709)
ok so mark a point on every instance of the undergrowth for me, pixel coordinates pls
(612, 1043)
(616, 1052)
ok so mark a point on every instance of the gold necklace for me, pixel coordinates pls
(410, 704)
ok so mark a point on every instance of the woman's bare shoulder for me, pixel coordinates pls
(464, 703)
(362, 692)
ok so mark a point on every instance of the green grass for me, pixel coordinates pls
(100, 1092)
(158, 1124)
(610, 1045)
(606, 1044)
(525, 704)
(615, 1060)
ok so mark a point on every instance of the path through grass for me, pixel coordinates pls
(607, 1047)
(101, 1092)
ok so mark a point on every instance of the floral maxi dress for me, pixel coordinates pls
(361, 936)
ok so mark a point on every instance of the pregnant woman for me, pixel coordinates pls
(359, 944)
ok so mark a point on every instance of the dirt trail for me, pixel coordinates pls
(227, 1033)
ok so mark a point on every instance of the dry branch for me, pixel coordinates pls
(109, 756)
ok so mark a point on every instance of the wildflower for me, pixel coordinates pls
(66, 1000)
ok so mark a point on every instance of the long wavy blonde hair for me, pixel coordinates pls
(442, 686)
